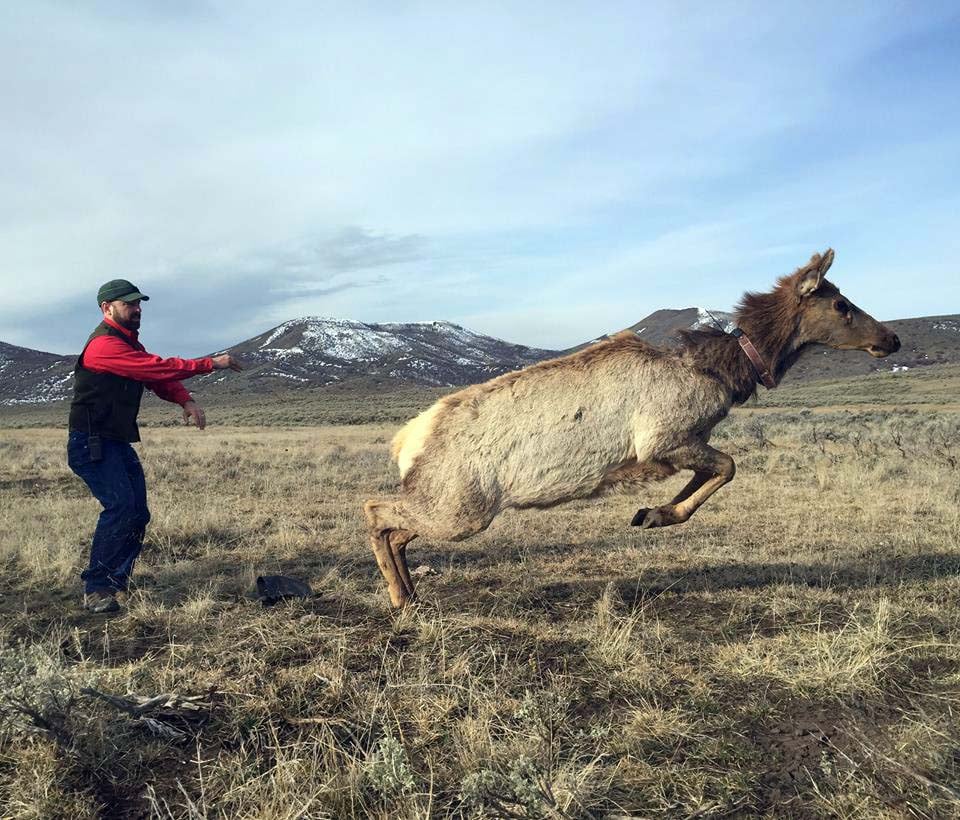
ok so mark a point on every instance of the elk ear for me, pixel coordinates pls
(811, 277)
(826, 261)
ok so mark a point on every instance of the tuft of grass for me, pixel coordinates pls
(819, 660)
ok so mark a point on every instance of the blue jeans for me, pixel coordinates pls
(117, 482)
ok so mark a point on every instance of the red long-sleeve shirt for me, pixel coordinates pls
(107, 354)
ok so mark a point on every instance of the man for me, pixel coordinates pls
(109, 379)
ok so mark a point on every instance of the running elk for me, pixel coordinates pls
(619, 411)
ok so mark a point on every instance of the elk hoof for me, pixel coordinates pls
(400, 598)
(657, 517)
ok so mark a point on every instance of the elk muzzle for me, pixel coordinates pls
(888, 343)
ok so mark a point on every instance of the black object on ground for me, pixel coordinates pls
(274, 588)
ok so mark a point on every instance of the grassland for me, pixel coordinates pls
(792, 651)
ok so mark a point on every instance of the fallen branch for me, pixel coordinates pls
(158, 712)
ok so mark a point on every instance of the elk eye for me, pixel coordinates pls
(841, 307)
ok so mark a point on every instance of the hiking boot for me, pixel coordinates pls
(103, 601)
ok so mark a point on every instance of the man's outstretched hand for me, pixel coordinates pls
(225, 361)
(193, 412)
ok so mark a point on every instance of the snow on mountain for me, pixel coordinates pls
(661, 328)
(338, 338)
(33, 377)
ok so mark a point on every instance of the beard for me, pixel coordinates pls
(130, 323)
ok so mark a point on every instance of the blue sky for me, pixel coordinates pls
(542, 172)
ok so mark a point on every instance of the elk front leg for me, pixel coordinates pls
(712, 469)
(694, 484)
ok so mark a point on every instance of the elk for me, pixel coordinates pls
(619, 412)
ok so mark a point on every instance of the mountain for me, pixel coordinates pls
(660, 327)
(31, 376)
(312, 352)
(320, 351)
(308, 352)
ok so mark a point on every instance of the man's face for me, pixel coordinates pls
(125, 314)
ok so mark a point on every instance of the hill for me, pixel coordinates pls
(32, 376)
(314, 352)
(308, 352)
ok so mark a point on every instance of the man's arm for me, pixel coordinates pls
(178, 394)
(107, 354)
(173, 392)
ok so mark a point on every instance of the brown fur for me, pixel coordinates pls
(587, 357)
(620, 412)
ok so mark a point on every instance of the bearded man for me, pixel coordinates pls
(109, 379)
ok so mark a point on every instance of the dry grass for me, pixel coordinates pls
(792, 651)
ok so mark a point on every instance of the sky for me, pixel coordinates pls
(540, 172)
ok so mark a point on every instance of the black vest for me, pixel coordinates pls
(104, 403)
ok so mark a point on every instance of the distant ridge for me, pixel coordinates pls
(320, 351)
(660, 327)
(308, 352)
(32, 376)
(317, 351)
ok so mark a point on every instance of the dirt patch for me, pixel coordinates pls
(809, 745)
(798, 750)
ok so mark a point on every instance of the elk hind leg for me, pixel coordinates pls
(398, 540)
(390, 532)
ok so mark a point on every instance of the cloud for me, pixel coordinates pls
(211, 303)
(448, 161)
(350, 249)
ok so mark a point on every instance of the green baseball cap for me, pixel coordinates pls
(119, 290)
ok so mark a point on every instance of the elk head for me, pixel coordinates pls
(827, 317)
